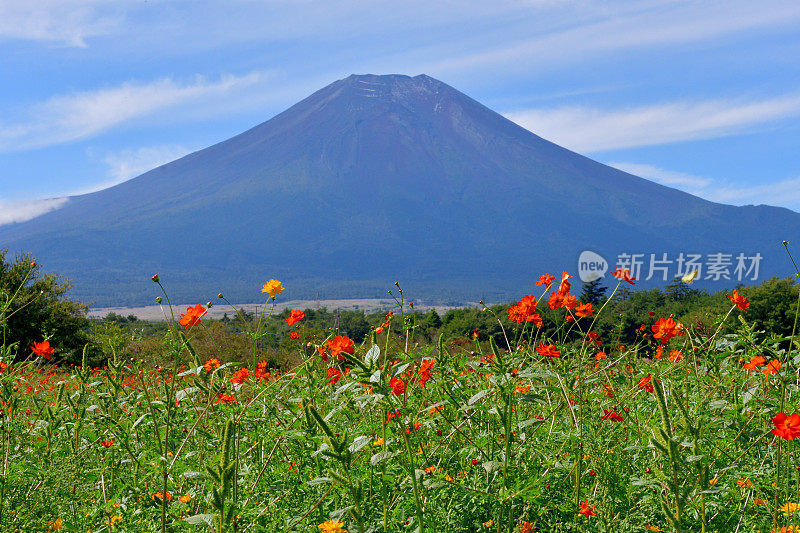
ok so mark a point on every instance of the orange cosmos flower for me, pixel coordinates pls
(624, 274)
(425, 372)
(595, 338)
(240, 376)
(398, 386)
(43, 349)
(341, 343)
(225, 398)
(333, 375)
(646, 383)
(787, 427)
(772, 367)
(295, 316)
(600, 356)
(273, 287)
(755, 362)
(548, 350)
(186, 498)
(611, 415)
(546, 280)
(161, 496)
(584, 310)
(527, 527)
(211, 364)
(675, 355)
(739, 300)
(585, 510)
(192, 316)
(666, 328)
(294, 335)
(107, 443)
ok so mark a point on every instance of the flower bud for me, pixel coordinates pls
(158, 299)
(209, 305)
(220, 296)
(155, 278)
(784, 243)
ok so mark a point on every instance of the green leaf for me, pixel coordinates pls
(382, 456)
(200, 519)
(372, 356)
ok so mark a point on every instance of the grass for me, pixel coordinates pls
(678, 431)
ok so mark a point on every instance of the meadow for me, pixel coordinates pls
(544, 426)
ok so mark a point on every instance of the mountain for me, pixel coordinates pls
(374, 179)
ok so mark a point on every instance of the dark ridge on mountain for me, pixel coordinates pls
(374, 179)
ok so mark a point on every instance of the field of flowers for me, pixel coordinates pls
(682, 431)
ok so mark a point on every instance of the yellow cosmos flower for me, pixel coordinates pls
(273, 287)
(789, 508)
(330, 526)
(378, 442)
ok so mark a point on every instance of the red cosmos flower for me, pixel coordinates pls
(294, 335)
(675, 355)
(585, 510)
(548, 350)
(225, 398)
(295, 316)
(595, 338)
(660, 351)
(546, 280)
(739, 300)
(569, 301)
(611, 415)
(391, 416)
(755, 362)
(240, 376)
(333, 375)
(425, 372)
(599, 356)
(584, 310)
(787, 427)
(43, 349)
(192, 316)
(341, 343)
(107, 443)
(646, 383)
(398, 386)
(624, 274)
(666, 328)
(386, 320)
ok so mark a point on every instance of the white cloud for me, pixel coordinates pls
(131, 163)
(78, 116)
(681, 180)
(586, 129)
(784, 193)
(597, 28)
(22, 210)
(69, 22)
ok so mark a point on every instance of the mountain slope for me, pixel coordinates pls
(372, 179)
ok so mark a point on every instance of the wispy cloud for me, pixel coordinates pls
(68, 22)
(586, 129)
(22, 210)
(131, 163)
(681, 180)
(78, 116)
(597, 28)
(782, 193)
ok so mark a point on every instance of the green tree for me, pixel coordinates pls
(33, 308)
(594, 292)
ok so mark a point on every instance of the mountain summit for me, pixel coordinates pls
(374, 179)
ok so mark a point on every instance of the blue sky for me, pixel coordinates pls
(700, 95)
